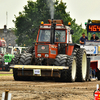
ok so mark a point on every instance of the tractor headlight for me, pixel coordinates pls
(46, 55)
(53, 52)
(39, 55)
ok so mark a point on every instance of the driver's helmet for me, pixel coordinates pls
(15, 49)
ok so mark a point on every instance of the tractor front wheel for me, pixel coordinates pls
(68, 75)
(15, 75)
(81, 65)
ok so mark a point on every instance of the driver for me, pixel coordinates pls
(94, 37)
(47, 38)
(15, 51)
(57, 39)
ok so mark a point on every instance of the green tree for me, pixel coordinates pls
(28, 21)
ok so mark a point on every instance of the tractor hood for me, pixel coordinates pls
(8, 57)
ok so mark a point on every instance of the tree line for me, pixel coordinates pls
(28, 21)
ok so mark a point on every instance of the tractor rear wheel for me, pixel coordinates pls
(68, 75)
(28, 61)
(15, 59)
(81, 65)
(24, 59)
(30, 50)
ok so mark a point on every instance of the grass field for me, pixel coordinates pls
(6, 74)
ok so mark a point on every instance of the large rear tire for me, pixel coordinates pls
(15, 59)
(68, 75)
(30, 50)
(81, 65)
(24, 59)
(28, 61)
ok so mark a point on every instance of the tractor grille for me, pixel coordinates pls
(43, 49)
(6, 57)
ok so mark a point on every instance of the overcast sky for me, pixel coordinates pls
(81, 10)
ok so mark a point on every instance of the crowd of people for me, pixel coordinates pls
(84, 38)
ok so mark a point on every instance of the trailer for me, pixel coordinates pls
(93, 48)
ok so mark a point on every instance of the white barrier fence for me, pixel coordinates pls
(6, 95)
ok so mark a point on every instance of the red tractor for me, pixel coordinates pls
(3, 47)
(54, 55)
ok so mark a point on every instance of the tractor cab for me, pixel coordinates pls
(55, 30)
(2, 51)
(52, 39)
(44, 35)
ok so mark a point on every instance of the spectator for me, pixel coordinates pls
(83, 39)
(94, 37)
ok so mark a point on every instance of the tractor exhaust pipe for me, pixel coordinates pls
(52, 37)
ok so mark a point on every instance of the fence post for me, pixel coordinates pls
(6, 94)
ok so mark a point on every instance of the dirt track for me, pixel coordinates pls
(29, 90)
